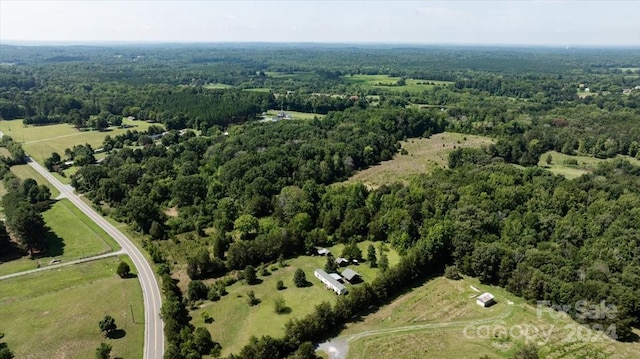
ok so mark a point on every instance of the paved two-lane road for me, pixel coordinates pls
(153, 331)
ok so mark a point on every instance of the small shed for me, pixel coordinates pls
(351, 275)
(485, 300)
(323, 251)
(341, 261)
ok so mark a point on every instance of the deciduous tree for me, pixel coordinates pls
(123, 270)
(103, 351)
(107, 325)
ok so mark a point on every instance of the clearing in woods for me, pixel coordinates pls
(234, 321)
(390, 84)
(295, 115)
(423, 154)
(440, 319)
(54, 314)
(575, 166)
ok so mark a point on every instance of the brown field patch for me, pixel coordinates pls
(423, 155)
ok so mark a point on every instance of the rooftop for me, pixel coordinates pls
(485, 297)
(349, 274)
(323, 251)
(329, 279)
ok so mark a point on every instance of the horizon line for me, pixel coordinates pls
(34, 43)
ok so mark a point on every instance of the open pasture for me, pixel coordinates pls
(40, 141)
(390, 83)
(55, 314)
(440, 319)
(575, 166)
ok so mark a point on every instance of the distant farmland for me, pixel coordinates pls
(389, 83)
(40, 141)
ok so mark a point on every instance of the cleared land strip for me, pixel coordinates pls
(338, 348)
(64, 264)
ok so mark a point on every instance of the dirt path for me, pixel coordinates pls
(53, 138)
(63, 264)
(338, 348)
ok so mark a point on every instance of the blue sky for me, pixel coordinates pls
(556, 23)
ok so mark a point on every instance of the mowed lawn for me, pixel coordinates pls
(235, 321)
(40, 141)
(447, 323)
(585, 164)
(423, 155)
(72, 236)
(55, 314)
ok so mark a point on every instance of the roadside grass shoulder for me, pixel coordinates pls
(55, 314)
(72, 236)
(68, 172)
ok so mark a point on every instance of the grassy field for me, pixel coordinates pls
(583, 94)
(585, 164)
(235, 321)
(40, 141)
(258, 89)
(440, 319)
(25, 171)
(296, 115)
(68, 172)
(217, 86)
(423, 155)
(72, 236)
(55, 314)
(382, 82)
(5, 152)
(300, 75)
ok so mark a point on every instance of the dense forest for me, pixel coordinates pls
(256, 192)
